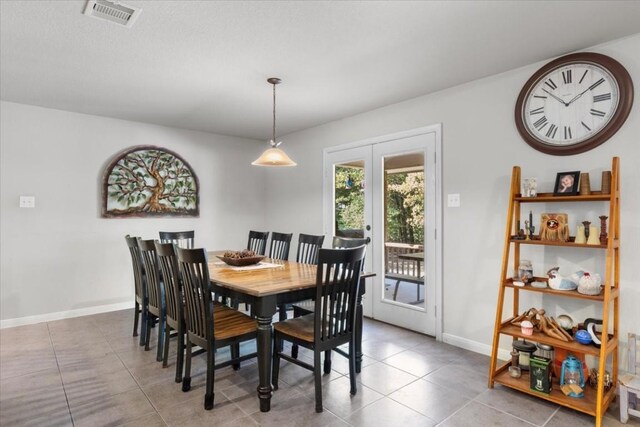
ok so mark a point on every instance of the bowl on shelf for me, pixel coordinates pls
(241, 262)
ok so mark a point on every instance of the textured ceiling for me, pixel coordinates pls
(203, 65)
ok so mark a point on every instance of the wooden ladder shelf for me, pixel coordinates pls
(594, 402)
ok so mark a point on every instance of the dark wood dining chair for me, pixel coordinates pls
(333, 322)
(174, 304)
(182, 239)
(258, 241)
(155, 289)
(139, 279)
(308, 248)
(209, 325)
(348, 242)
(280, 246)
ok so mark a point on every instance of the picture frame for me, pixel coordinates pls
(567, 183)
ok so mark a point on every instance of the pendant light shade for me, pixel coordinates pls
(274, 156)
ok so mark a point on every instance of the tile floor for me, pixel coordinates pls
(89, 371)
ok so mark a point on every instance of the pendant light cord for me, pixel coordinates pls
(274, 114)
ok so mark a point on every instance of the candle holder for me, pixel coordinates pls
(586, 228)
(603, 229)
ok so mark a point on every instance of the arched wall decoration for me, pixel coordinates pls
(148, 181)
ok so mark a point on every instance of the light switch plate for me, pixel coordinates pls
(27, 202)
(453, 200)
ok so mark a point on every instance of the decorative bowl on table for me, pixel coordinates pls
(240, 258)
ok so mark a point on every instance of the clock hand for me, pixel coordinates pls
(579, 95)
(555, 97)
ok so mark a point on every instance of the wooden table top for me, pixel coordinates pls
(267, 281)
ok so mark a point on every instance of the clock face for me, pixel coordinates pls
(574, 103)
(571, 104)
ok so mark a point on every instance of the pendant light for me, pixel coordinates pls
(274, 156)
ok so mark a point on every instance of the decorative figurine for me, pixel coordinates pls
(529, 187)
(560, 283)
(526, 227)
(589, 284)
(586, 228)
(554, 227)
(603, 229)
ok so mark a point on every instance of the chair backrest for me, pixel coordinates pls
(308, 248)
(348, 242)
(152, 270)
(138, 269)
(171, 278)
(258, 241)
(197, 294)
(337, 286)
(182, 239)
(280, 245)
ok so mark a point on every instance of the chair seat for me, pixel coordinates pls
(231, 323)
(298, 327)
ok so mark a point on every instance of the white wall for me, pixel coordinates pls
(62, 256)
(480, 146)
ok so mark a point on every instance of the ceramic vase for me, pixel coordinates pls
(580, 236)
(606, 182)
(594, 237)
(585, 184)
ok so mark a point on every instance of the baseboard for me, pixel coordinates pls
(48, 317)
(474, 346)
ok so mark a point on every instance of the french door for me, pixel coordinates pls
(386, 190)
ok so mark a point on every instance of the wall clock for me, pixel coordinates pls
(574, 103)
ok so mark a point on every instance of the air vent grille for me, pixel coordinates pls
(115, 11)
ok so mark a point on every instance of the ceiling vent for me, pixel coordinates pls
(112, 11)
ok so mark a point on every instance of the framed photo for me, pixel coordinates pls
(567, 184)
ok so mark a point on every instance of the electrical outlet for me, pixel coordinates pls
(453, 200)
(27, 202)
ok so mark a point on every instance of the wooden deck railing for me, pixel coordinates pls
(395, 265)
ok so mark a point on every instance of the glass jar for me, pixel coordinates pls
(525, 271)
(544, 350)
(525, 350)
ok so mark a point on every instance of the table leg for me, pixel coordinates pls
(265, 309)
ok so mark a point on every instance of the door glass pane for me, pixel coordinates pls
(404, 225)
(349, 199)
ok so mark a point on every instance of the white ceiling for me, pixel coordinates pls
(203, 65)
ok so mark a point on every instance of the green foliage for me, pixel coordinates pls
(349, 201)
(405, 204)
(405, 207)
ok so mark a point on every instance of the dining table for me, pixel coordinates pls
(265, 287)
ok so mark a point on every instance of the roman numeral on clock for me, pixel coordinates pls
(583, 76)
(551, 84)
(597, 113)
(566, 76)
(596, 84)
(539, 96)
(567, 132)
(551, 132)
(586, 127)
(540, 123)
(603, 97)
(537, 111)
